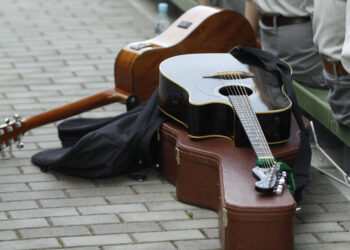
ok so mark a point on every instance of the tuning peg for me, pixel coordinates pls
(18, 122)
(20, 143)
(281, 181)
(11, 142)
(2, 150)
(9, 127)
(279, 189)
(2, 132)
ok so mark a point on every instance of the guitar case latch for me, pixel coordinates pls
(177, 156)
(224, 217)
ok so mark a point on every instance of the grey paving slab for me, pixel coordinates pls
(54, 52)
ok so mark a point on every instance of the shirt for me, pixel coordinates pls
(345, 55)
(329, 27)
(289, 8)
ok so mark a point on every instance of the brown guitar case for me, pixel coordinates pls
(215, 174)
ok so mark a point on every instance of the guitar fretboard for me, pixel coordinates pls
(251, 125)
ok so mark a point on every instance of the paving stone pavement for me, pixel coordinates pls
(55, 51)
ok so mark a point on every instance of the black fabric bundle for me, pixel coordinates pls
(95, 148)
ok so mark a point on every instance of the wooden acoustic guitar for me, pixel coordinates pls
(200, 29)
(232, 97)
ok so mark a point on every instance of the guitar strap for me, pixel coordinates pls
(283, 74)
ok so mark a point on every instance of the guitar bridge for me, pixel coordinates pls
(231, 74)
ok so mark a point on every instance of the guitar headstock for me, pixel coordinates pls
(270, 180)
(10, 133)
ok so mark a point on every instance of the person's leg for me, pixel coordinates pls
(339, 97)
(293, 44)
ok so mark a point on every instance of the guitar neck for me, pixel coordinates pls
(251, 125)
(13, 131)
(77, 107)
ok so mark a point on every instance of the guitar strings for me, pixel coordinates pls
(270, 163)
(253, 119)
(234, 92)
(240, 90)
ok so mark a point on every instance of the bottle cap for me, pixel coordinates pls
(163, 7)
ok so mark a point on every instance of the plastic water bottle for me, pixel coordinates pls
(162, 20)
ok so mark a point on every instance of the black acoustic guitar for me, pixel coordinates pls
(215, 95)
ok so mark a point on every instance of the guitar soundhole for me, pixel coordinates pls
(235, 90)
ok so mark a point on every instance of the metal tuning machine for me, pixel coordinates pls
(3, 130)
(280, 182)
(18, 124)
(8, 126)
(8, 130)
(2, 145)
(2, 150)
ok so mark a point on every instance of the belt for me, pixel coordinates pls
(334, 68)
(282, 20)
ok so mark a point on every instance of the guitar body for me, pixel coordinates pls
(215, 174)
(209, 30)
(201, 104)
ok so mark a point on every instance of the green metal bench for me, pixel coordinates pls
(314, 102)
